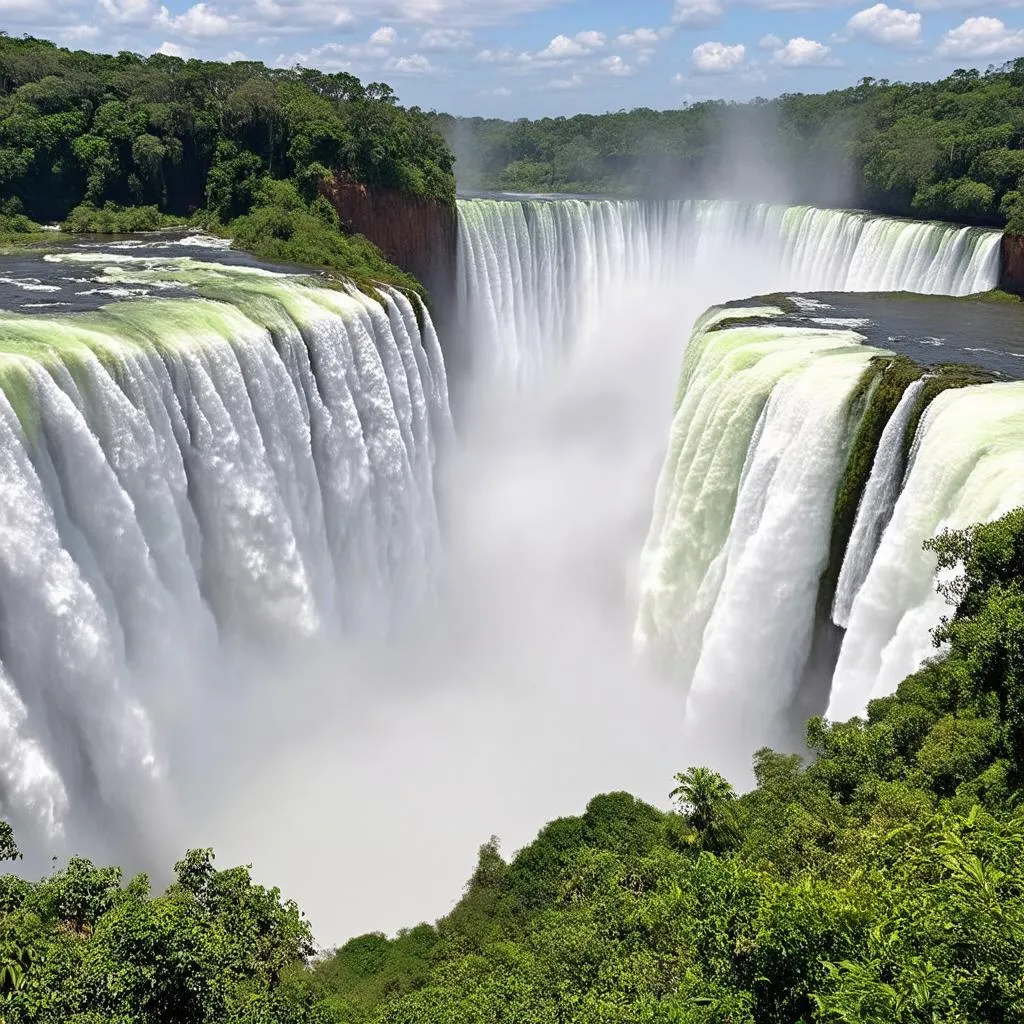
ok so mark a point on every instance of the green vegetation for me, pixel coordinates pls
(883, 883)
(952, 149)
(283, 227)
(129, 143)
(111, 219)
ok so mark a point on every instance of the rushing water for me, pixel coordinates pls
(535, 274)
(249, 465)
(740, 537)
(237, 461)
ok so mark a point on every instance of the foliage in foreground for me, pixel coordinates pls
(881, 884)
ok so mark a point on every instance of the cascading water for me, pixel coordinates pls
(876, 505)
(536, 275)
(968, 467)
(230, 472)
(740, 538)
(740, 532)
(252, 464)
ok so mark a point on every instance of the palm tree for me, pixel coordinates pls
(705, 799)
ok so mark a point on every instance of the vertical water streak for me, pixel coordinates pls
(876, 505)
(968, 467)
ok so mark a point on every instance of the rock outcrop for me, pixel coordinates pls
(1011, 264)
(418, 235)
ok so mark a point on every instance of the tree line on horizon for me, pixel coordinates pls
(951, 149)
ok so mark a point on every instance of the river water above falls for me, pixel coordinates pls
(255, 593)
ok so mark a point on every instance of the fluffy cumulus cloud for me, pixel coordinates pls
(562, 49)
(174, 50)
(696, 13)
(126, 12)
(200, 21)
(615, 66)
(883, 24)
(385, 37)
(801, 53)
(770, 42)
(713, 58)
(981, 37)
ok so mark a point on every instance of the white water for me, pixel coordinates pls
(536, 276)
(968, 467)
(742, 514)
(876, 505)
(184, 480)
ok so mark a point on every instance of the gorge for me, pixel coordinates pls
(229, 466)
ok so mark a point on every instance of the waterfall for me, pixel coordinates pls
(535, 275)
(740, 534)
(968, 467)
(252, 464)
(742, 514)
(876, 505)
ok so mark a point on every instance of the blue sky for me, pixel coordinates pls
(532, 58)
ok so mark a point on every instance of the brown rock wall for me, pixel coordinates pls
(1011, 266)
(418, 235)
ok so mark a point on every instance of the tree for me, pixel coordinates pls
(707, 801)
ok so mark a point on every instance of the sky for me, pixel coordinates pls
(533, 58)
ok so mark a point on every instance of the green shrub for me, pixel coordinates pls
(111, 219)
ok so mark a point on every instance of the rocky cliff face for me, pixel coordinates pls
(1011, 265)
(418, 235)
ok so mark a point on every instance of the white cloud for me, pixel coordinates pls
(887, 25)
(504, 57)
(640, 37)
(615, 66)
(235, 55)
(445, 40)
(801, 53)
(564, 48)
(329, 57)
(128, 11)
(716, 58)
(769, 42)
(385, 37)
(696, 13)
(413, 64)
(574, 81)
(174, 50)
(981, 37)
(198, 22)
(79, 33)
(593, 40)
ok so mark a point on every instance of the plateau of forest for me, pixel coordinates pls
(952, 149)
